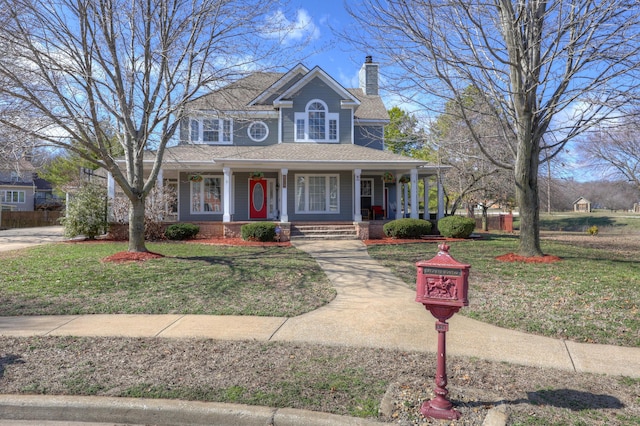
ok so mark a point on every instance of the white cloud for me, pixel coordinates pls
(289, 32)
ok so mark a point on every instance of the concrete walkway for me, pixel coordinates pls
(373, 308)
(18, 238)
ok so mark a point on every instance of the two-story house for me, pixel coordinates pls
(291, 147)
(20, 187)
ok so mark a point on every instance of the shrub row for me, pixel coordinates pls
(450, 227)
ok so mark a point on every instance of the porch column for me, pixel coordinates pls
(414, 194)
(405, 188)
(111, 195)
(160, 179)
(398, 197)
(440, 214)
(425, 181)
(284, 214)
(226, 211)
(357, 216)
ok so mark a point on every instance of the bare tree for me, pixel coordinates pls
(545, 67)
(615, 151)
(472, 178)
(76, 72)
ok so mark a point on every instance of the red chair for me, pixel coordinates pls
(377, 211)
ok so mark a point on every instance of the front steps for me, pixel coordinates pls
(329, 231)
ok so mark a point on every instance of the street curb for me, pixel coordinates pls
(161, 412)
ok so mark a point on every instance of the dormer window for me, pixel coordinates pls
(211, 130)
(316, 124)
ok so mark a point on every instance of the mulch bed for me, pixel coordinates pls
(512, 257)
(128, 256)
(125, 256)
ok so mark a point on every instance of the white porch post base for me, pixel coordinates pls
(440, 214)
(414, 194)
(398, 198)
(426, 198)
(226, 213)
(284, 214)
(357, 214)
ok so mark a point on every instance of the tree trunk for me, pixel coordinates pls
(136, 226)
(526, 175)
(485, 218)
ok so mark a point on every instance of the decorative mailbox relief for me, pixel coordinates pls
(442, 280)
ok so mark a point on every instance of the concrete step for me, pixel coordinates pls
(324, 232)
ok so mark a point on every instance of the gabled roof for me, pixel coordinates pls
(581, 199)
(319, 73)
(238, 95)
(279, 86)
(257, 92)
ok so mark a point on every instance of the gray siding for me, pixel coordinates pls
(29, 196)
(369, 136)
(241, 137)
(316, 89)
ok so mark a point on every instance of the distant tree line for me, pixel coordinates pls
(603, 194)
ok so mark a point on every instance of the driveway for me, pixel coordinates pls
(13, 239)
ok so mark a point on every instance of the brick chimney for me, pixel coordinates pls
(368, 77)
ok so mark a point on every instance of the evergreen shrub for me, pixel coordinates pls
(259, 231)
(407, 228)
(456, 226)
(181, 231)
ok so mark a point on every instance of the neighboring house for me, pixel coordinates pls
(22, 190)
(582, 205)
(291, 147)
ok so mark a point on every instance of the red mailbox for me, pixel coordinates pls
(441, 286)
(442, 281)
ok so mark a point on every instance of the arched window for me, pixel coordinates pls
(316, 124)
(317, 120)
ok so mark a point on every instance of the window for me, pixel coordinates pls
(317, 194)
(206, 195)
(13, 197)
(258, 131)
(316, 124)
(211, 130)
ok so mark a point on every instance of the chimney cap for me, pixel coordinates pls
(368, 59)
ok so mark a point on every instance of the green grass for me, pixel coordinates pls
(592, 295)
(191, 279)
(611, 222)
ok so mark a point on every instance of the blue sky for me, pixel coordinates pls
(321, 19)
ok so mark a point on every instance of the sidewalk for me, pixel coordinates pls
(372, 308)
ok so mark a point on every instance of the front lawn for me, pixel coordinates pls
(72, 278)
(591, 295)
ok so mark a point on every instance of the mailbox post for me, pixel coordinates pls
(441, 286)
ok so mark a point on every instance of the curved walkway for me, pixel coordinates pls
(372, 308)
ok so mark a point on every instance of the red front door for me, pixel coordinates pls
(258, 199)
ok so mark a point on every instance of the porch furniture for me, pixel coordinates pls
(377, 211)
